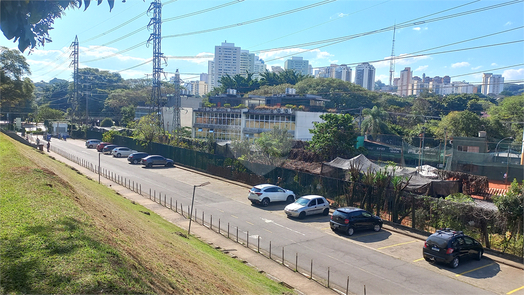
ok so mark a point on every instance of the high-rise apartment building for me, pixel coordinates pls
(492, 84)
(404, 84)
(365, 76)
(297, 64)
(343, 72)
(227, 61)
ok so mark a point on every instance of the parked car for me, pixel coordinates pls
(308, 205)
(150, 161)
(108, 148)
(450, 246)
(349, 219)
(92, 143)
(122, 152)
(100, 147)
(267, 193)
(134, 158)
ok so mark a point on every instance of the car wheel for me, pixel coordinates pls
(377, 227)
(302, 215)
(326, 212)
(350, 231)
(118, 155)
(149, 165)
(290, 199)
(429, 260)
(479, 255)
(135, 161)
(169, 165)
(455, 262)
(265, 202)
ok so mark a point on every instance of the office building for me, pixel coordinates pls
(227, 61)
(297, 64)
(404, 84)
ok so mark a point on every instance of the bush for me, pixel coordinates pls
(107, 122)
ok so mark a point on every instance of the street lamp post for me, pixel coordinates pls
(192, 202)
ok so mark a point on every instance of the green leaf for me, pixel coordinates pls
(111, 4)
(86, 4)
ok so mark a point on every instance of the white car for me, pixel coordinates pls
(122, 152)
(308, 205)
(267, 193)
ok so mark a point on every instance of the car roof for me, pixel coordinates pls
(93, 140)
(310, 197)
(262, 186)
(349, 209)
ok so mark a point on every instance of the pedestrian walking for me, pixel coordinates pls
(48, 146)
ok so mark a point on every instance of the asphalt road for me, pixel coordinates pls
(385, 262)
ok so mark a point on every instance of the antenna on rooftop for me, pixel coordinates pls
(392, 59)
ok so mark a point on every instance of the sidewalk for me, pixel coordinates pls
(273, 269)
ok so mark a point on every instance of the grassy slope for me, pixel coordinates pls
(63, 233)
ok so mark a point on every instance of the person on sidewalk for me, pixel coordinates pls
(48, 145)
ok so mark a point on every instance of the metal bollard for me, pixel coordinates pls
(258, 244)
(269, 249)
(176, 206)
(282, 255)
(203, 223)
(228, 230)
(328, 278)
(211, 223)
(219, 225)
(296, 261)
(347, 286)
(247, 239)
(311, 274)
(170, 202)
(237, 234)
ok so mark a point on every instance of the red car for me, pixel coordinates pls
(101, 146)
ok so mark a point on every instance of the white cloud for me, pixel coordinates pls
(401, 60)
(460, 64)
(96, 52)
(416, 29)
(382, 78)
(421, 68)
(200, 58)
(476, 68)
(508, 24)
(338, 15)
(494, 64)
(420, 29)
(513, 74)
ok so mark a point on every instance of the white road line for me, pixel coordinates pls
(271, 221)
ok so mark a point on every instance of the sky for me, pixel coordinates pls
(460, 39)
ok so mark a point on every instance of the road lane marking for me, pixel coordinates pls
(268, 230)
(220, 210)
(249, 222)
(399, 244)
(457, 275)
(513, 291)
(234, 216)
(271, 221)
(418, 259)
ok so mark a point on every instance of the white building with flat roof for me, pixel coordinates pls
(297, 64)
(227, 61)
(492, 84)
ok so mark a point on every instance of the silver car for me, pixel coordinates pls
(308, 205)
(122, 152)
(268, 193)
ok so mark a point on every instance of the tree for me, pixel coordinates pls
(334, 137)
(465, 124)
(147, 129)
(374, 121)
(274, 146)
(511, 206)
(46, 113)
(128, 115)
(288, 76)
(107, 122)
(238, 82)
(29, 22)
(17, 91)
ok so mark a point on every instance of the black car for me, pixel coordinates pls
(349, 219)
(108, 148)
(450, 246)
(136, 158)
(149, 161)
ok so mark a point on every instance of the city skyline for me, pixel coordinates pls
(327, 32)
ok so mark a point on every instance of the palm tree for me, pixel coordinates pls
(374, 121)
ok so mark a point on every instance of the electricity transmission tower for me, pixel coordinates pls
(74, 63)
(392, 60)
(156, 39)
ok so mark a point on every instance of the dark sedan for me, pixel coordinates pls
(109, 148)
(135, 158)
(350, 219)
(150, 161)
(450, 247)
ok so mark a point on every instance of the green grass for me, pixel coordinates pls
(63, 233)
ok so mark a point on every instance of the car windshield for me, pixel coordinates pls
(256, 190)
(302, 201)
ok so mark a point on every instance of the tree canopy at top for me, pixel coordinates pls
(29, 22)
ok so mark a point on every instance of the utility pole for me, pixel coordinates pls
(156, 39)
(74, 63)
